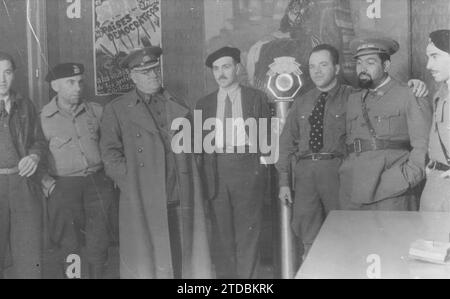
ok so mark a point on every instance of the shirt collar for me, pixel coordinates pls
(331, 93)
(7, 100)
(141, 96)
(385, 82)
(231, 92)
(52, 108)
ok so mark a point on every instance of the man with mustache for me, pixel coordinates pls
(82, 194)
(387, 135)
(162, 221)
(436, 195)
(234, 180)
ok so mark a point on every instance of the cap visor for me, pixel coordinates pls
(145, 67)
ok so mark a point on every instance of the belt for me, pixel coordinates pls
(9, 170)
(319, 156)
(362, 145)
(438, 166)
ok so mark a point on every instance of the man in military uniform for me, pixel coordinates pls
(162, 221)
(233, 174)
(79, 205)
(387, 135)
(436, 195)
(315, 134)
(22, 147)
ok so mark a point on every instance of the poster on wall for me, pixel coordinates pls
(119, 27)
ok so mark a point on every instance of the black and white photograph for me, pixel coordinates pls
(224, 144)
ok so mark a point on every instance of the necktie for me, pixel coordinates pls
(3, 112)
(316, 122)
(228, 114)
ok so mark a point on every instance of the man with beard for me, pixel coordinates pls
(79, 205)
(162, 221)
(387, 135)
(436, 195)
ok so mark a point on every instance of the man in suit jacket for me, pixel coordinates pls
(233, 174)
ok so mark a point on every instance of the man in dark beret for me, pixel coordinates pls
(22, 147)
(387, 134)
(80, 194)
(235, 181)
(162, 221)
(435, 196)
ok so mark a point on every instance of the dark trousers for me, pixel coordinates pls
(316, 194)
(20, 227)
(237, 215)
(79, 210)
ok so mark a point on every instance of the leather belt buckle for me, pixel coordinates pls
(357, 145)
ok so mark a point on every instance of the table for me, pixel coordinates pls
(375, 244)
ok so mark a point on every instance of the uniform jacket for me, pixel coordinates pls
(441, 120)
(396, 114)
(134, 156)
(254, 104)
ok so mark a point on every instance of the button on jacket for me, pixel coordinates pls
(296, 133)
(73, 139)
(396, 115)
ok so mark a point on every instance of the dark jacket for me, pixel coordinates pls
(254, 104)
(26, 130)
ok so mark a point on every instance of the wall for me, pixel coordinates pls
(13, 39)
(182, 29)
(394, 23)
(427, 16)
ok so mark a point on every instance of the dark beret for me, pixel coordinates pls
(441, 39)
(235, 53)
(64, 70)
(140, 59)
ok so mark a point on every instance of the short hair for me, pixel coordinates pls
(7, 57)
(334, 53)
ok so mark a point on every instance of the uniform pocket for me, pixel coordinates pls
(390, 122)
(59, 142)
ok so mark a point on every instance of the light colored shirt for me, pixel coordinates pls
(73, 139)
(237, 136)
(7, 104)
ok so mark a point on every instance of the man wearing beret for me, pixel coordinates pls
(436, 195)
(22, 146)
(82, 193)
(387, 135)
(235, 180)
(162, 220)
